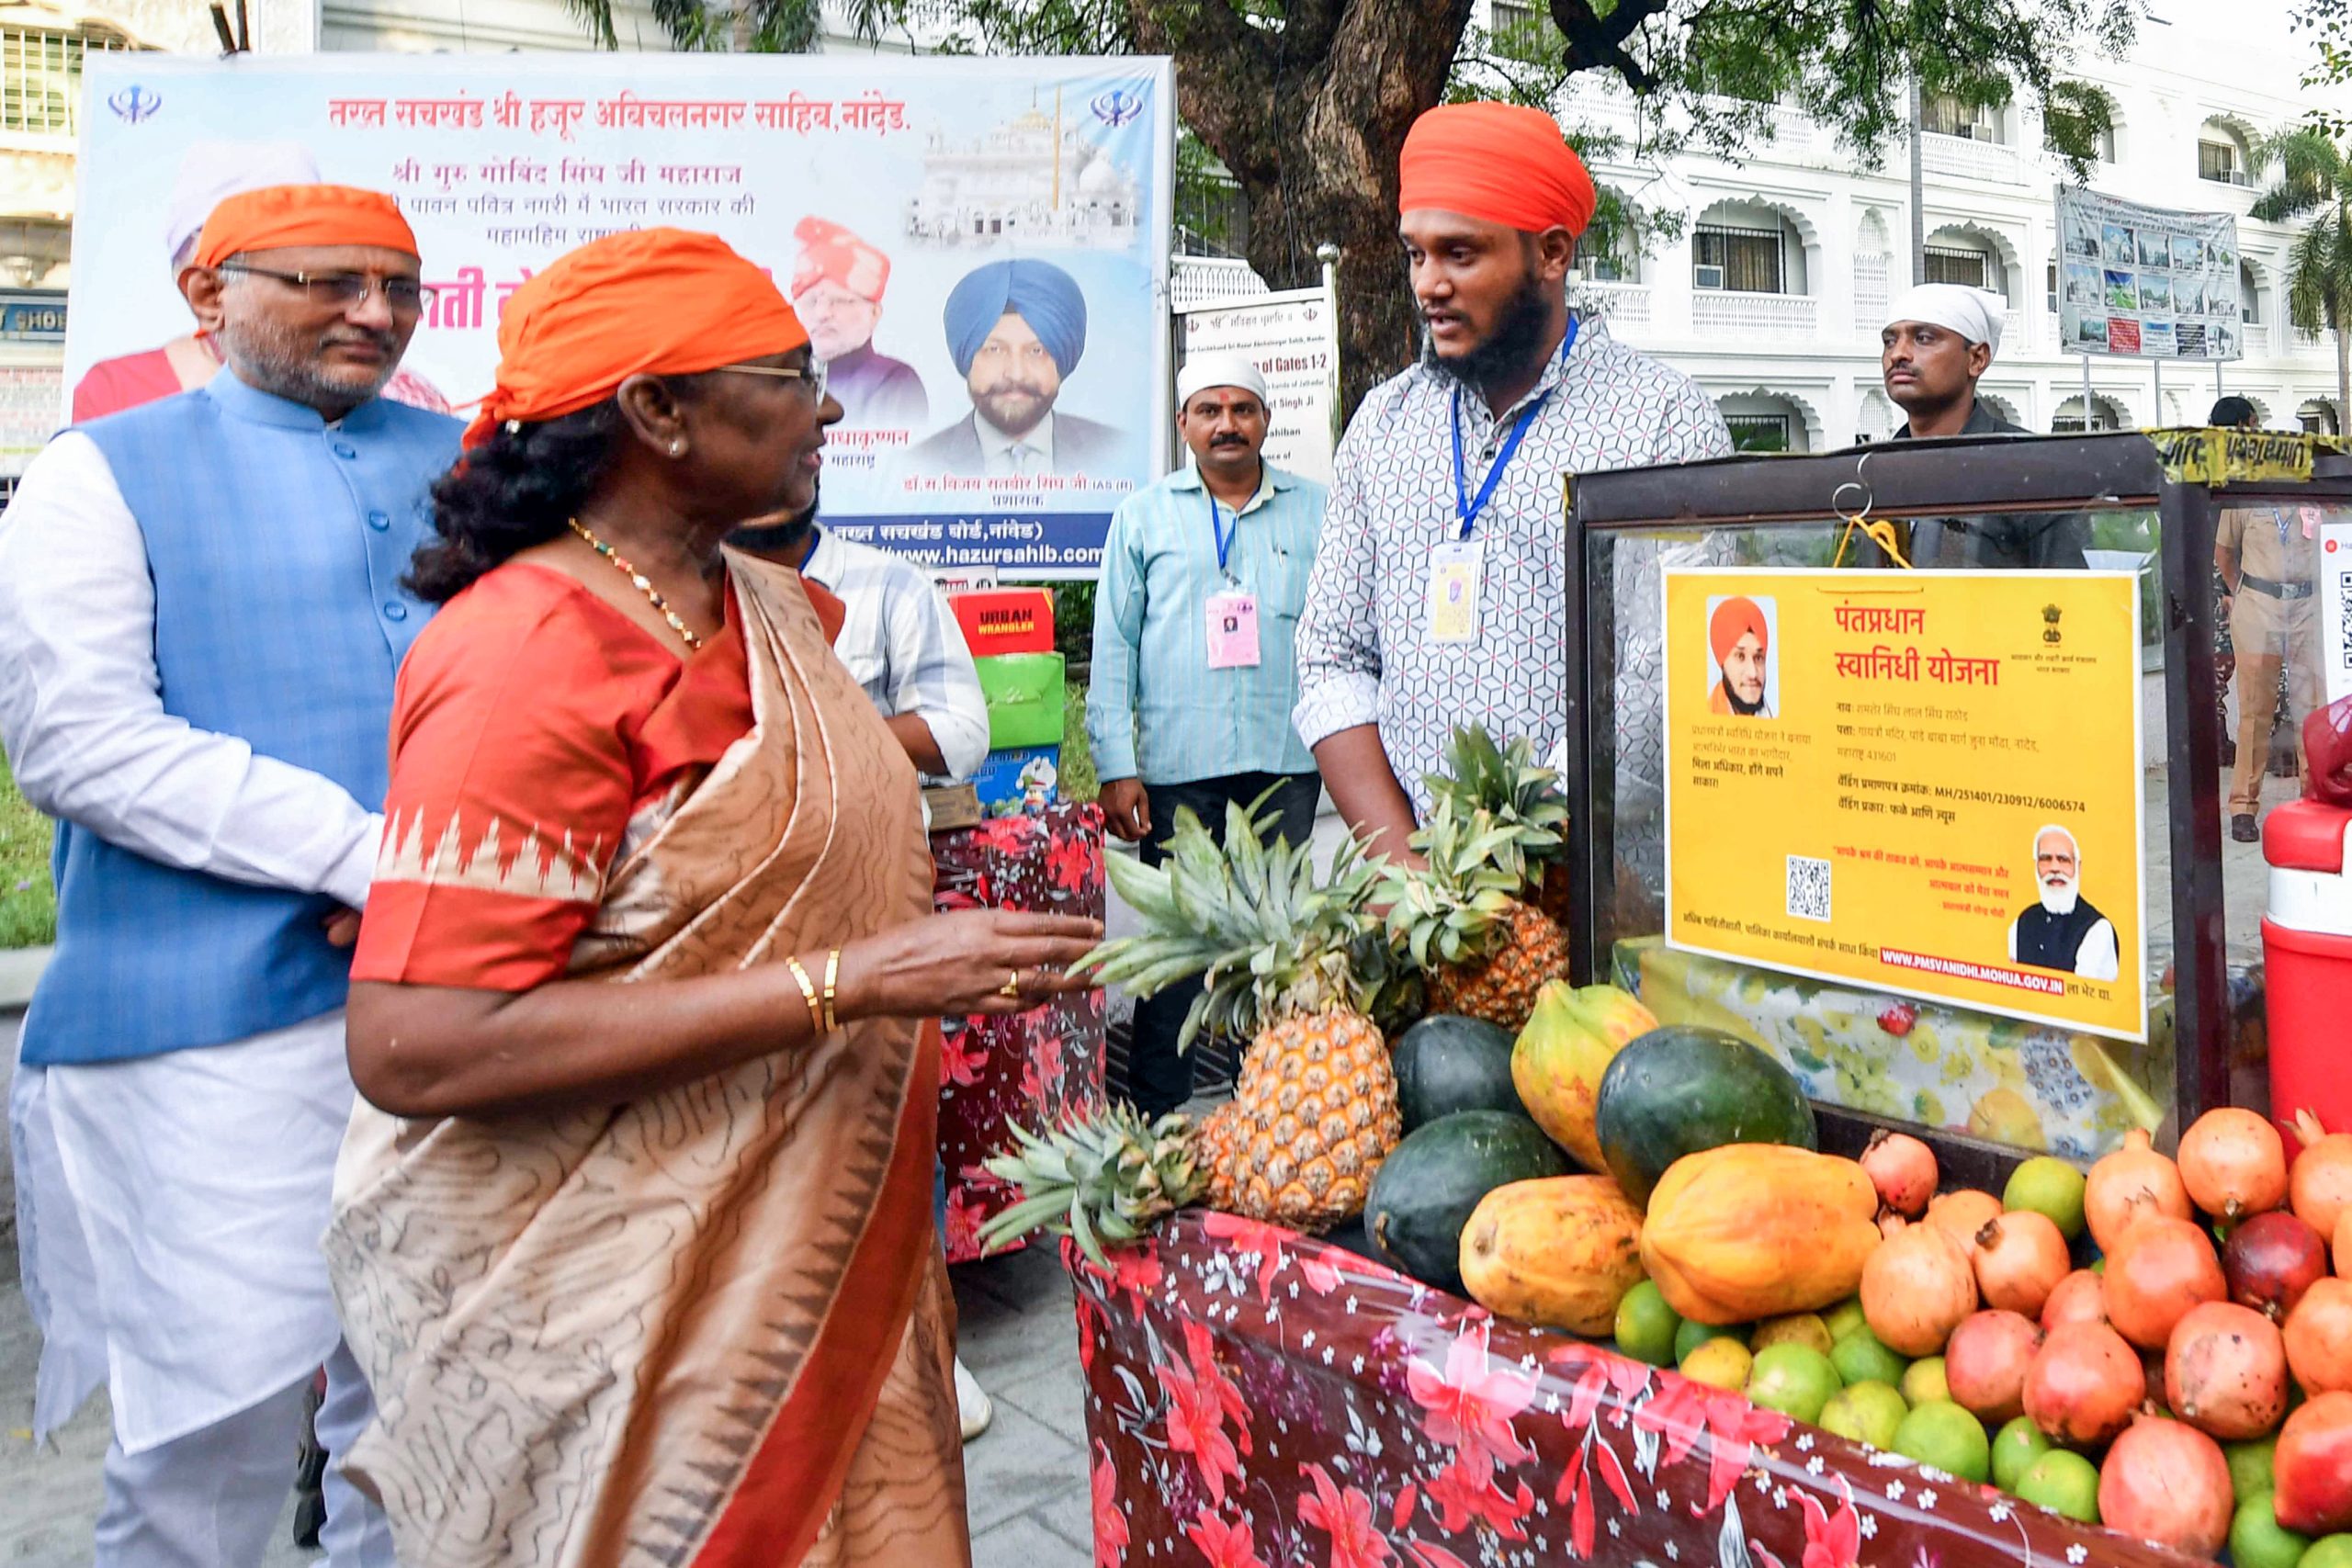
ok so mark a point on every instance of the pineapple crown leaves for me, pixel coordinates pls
(1104, 1178)
(1505, 782)
(1272, 938)
(1458, 907)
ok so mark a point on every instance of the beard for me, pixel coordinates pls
(1512, 349)
(289, 364)
(2060, 898)
(1743, 704)
(1013, 406)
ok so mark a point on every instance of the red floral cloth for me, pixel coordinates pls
(1259, 1399)
(1038, 1068)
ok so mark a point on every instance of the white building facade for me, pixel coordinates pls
(1774, 295)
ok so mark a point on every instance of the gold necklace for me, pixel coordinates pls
(639, 582)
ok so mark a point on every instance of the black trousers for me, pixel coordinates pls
(1159, 1078)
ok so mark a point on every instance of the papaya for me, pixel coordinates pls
(1561, 1251)
(1748, 1231)
(1681, 1088)
(1557, 1062)
(1431, 1182)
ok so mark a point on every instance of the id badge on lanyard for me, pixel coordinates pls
(1457, 567)
(1233, 610)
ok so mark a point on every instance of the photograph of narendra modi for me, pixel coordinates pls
(2065, 930)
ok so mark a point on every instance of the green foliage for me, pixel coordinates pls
(1078, 781)
(2308, 176)
(28, 898)
(1074, 621)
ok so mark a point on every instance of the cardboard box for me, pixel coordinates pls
(1018, 782)
(1005, 620)
(1025, 698)
(950, 806)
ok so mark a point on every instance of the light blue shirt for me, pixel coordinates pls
(1155, 710)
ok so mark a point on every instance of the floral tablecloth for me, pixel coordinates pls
(1259, 1399)
(1035, 1068)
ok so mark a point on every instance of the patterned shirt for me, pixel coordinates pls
(1152, 671)
(900, 640)
(1364, 655)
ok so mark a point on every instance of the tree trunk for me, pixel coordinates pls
(1310, 120)
(2343, 380)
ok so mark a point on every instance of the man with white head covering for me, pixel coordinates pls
(2064, 931)
(210, 173)
(1938, 341)
(1194, 672)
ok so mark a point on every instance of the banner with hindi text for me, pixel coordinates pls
(870, 185)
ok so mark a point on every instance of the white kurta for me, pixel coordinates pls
(170, 1206)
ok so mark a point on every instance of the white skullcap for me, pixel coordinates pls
(1202, 371)
(214, 171)
(1974, 313)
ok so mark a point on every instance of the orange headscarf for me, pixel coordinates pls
(1733, 618)
(652, 302)
(277, 217)
(830, 254)
(1504, 162)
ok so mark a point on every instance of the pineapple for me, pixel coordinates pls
(1505, 782)
(1296, 969)
(1105, 1179)
(1485, 952)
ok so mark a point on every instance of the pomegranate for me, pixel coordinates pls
(2319, 1337)
(1985, 1362)
(2313, 1464)
(1916, 1287)
(2270, 1261)
(2225, 1372)
(2079, 1298)
(2019, 1259)
(2321, 1183)
(2129, 1185)
(2084, 1384)
(1903, 1169)
(1963, 1213)
(2168, 1484)
(2344, 1244)
(2160, 1269)
(2234, 1164)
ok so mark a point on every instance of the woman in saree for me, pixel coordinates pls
(633, 1233)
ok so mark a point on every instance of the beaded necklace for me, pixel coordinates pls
(639, 582)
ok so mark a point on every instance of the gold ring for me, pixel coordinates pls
(1012, 987)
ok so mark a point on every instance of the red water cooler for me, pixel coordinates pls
(2307, 935)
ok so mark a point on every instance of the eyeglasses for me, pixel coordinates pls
(813, 375)
(402, 296)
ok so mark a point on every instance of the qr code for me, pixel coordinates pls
(2344, 622)
(1808, 888)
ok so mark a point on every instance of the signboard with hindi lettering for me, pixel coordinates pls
(2147, 282)
(2335, 602)
(1294, 339)
(978, 246)
(1928, 783)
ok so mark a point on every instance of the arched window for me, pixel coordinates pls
(2223, 154)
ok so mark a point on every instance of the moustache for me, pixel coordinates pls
(1013, 390)
(1226, 441)
(381, 341)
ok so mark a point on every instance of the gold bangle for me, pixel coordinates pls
(808, 994)
(833, 974)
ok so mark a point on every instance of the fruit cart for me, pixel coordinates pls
(2023, 954)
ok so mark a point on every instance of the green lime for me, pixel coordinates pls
(1923, 1382)
(1860, 1357)
(2015, 1449)
(1719, 1363)
(1796, 1380)
(2258, 1540)
(2329, 1551)
(1646, 1325)
(1941, 1434)
(2064, 1482)
(1691, 1334)
(2049, 1187)
(2099, 1266)
(2250, 1466)
(1800, 1328)
(1844, 1318)
(1865, 1412)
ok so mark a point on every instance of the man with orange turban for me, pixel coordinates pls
(201, 613)
(1439, 597)
(1738, 638)
(837, 285)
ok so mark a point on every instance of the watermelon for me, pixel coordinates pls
(1680, 1089)
(1446, 1064)
(1424, 1191)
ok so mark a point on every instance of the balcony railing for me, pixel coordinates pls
(1764, 315)
(2256, 336)
(2309, 342)
(1624, 305)
(1873, 292)
(41, 79)
(1963, 158)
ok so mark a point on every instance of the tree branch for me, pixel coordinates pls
(1598, 42)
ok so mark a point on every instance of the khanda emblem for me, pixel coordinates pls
(1117, 106)
(135, 103)
(2050, 633)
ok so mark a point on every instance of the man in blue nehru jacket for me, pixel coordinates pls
(200, 618)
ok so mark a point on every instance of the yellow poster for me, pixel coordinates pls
(1925, 782)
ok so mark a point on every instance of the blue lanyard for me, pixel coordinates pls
(1464, 507)
(811, 553)
(1220, 533)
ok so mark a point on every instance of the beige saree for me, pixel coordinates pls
(709, 1326)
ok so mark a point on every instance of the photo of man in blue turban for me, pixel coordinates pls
(1016, 330)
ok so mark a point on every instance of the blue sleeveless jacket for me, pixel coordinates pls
(276, 545)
